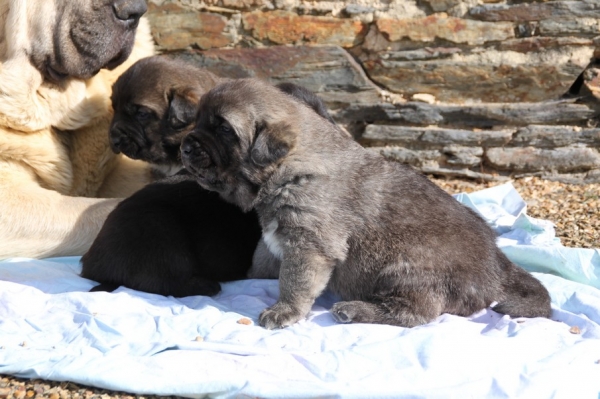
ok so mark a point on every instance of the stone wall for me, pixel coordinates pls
(477, 88)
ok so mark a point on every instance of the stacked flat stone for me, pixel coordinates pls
(473, 88)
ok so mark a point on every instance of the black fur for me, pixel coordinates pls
(172, 238)
(306, 96)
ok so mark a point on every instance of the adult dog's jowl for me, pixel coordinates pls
(58, 61)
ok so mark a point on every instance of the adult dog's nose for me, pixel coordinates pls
(129, 10)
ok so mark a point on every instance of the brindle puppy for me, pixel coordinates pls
(155, 103)
(393, 245)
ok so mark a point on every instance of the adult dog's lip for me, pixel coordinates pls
(54, 75)
(115, 61)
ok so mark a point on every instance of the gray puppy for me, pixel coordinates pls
(394, 246)
(155, 103)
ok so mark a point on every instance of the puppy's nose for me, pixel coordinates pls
(187, 147)
(116, 141)
(190, 146)
(192, 152)
(129, 10)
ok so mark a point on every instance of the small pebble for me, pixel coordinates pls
(575, 330)
(54, 395)
(245, 321)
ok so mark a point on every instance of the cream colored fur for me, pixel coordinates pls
(57, 171)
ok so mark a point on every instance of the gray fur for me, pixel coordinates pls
(394, 246)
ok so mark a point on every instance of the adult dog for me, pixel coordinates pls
(393, 245)
(54, 115)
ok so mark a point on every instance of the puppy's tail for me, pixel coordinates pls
(525, 296)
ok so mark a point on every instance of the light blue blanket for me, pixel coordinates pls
(52, 328)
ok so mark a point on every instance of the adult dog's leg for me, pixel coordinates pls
(36, 222)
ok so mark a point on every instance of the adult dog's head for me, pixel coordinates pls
(70, 38)
(155, 103)
(245, 129)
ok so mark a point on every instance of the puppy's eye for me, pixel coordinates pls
(143, 113)
(224, 128)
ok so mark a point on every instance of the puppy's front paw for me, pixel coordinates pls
(279, 315)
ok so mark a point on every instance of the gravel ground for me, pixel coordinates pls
(573, 208)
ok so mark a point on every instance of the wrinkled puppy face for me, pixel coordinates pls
(75, 39)
(239, 138)
(155, 104)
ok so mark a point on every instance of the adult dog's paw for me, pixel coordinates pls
(279, 315)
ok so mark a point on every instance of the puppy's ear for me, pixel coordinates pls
(183, 107)
(273, 142)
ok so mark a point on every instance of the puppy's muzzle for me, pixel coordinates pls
(194, 157)
(120, 141)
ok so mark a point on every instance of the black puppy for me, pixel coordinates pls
(172, 238)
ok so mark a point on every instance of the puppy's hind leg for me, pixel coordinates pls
(399, 301)
(404, 311)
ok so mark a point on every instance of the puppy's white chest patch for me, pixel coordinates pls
(272, 241)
